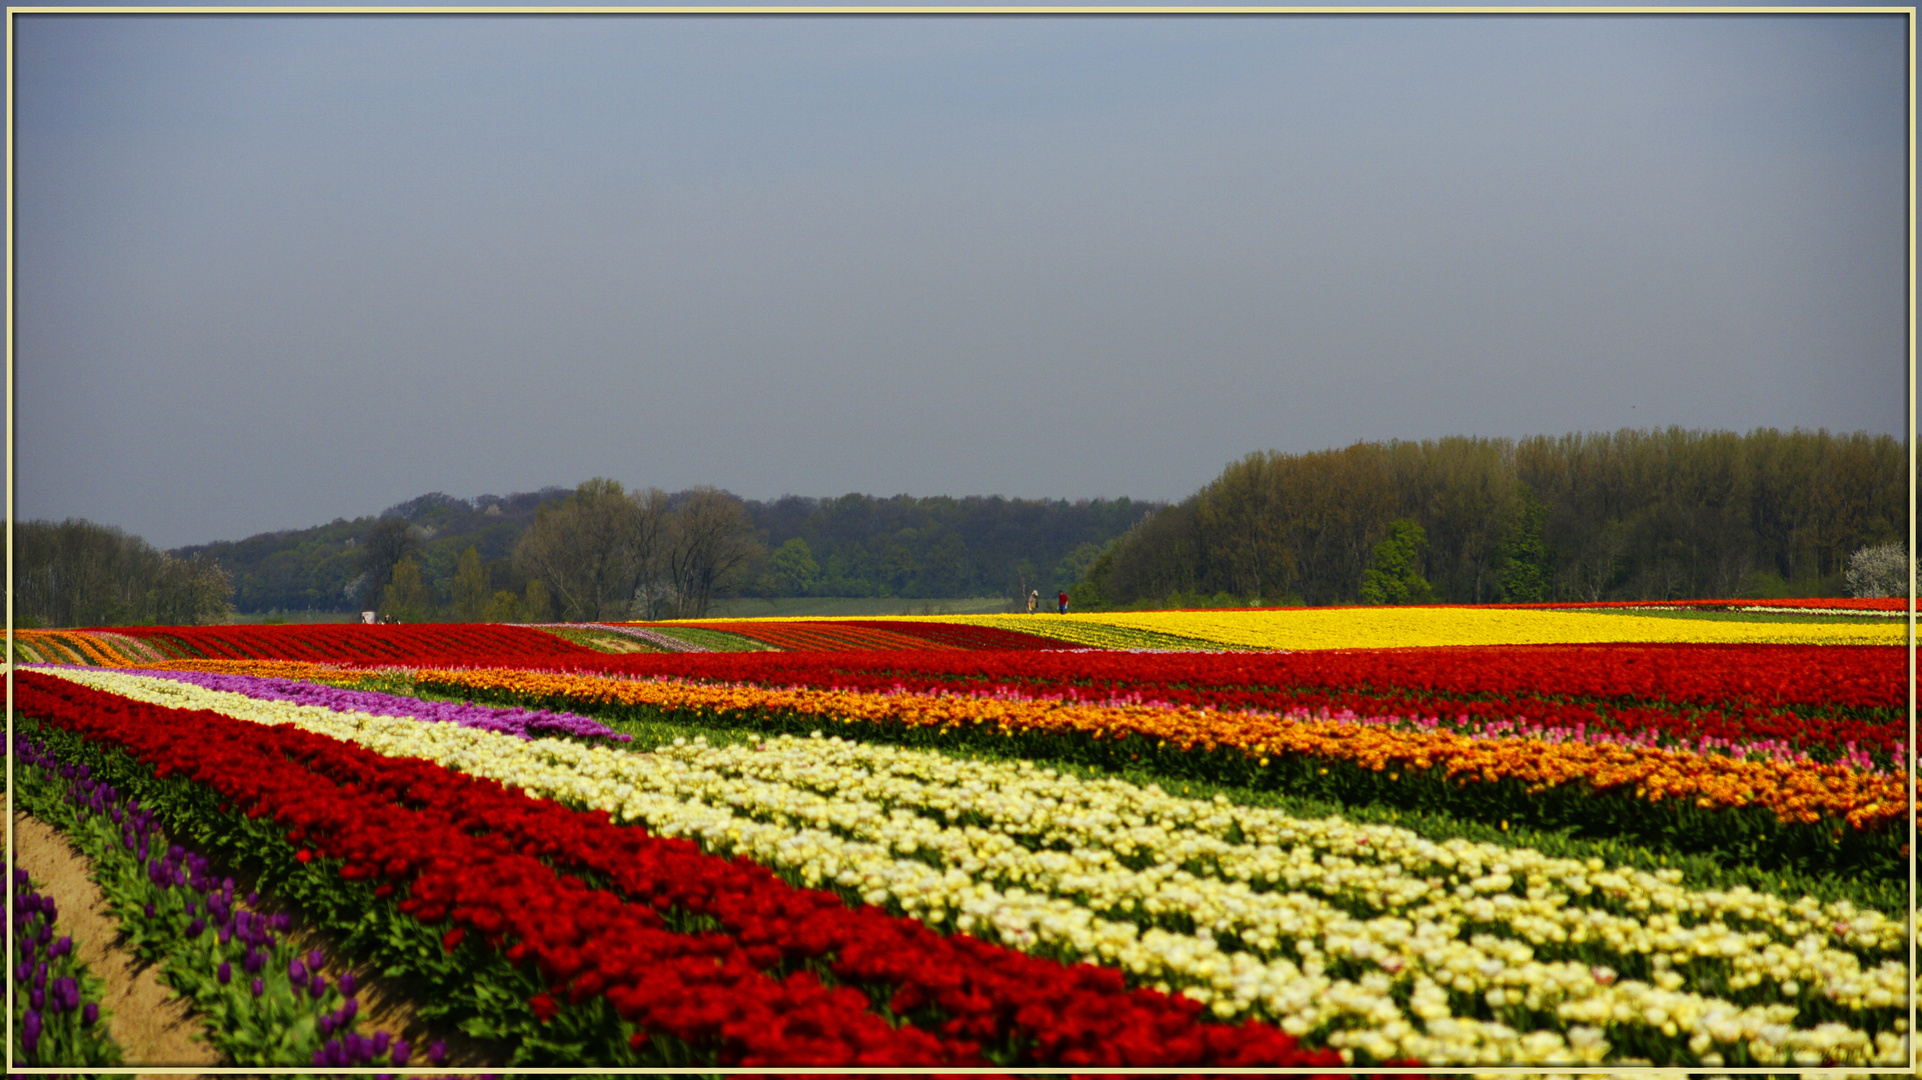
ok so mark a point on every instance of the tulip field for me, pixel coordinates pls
(1668, 835)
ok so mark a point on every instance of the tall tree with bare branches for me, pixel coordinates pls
(709, 541)
(593, 550)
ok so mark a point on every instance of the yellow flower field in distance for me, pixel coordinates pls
(1399, 627)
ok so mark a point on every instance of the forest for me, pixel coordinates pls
(855, 545)
(78, 573)
(1645, 515)
(1642, 515)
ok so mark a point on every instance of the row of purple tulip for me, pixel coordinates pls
(196, 921)
(54, 1021)
(521, 723)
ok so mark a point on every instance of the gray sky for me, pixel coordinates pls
(271, 270)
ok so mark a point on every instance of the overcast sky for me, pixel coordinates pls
(271, 270)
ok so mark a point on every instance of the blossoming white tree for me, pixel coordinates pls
(1879, 571)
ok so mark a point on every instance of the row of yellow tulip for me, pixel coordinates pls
(1399, 627)
(1796, 791)
(870, 819)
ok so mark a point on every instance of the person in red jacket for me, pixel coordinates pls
(1064, 603)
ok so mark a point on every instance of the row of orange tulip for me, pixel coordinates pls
(1804, 792)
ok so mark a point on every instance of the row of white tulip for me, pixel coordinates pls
(881, 821)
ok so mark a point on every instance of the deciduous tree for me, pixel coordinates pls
(1880, 571)
(389, 541)
(707, 542)
(79, 573)
(1395, 577)
(537, 607)
(593, 551)
(470, 587)
(792, 570)
(503, 607)
(407, 598)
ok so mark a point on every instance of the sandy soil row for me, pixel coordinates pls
(152, 1025)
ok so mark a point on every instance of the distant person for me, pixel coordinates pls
(1034, 597)
(1064, 602)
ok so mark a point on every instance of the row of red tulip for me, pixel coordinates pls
(503, 867)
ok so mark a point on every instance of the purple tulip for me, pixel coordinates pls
(259, 987)
(148, 910)
(30, 1030)
(62, 947)
(399, 1054)
(225, 974)
(314, 960)
(326, 1025)
(253, 899)
(297, 972)
(190, 909)
(379, 1044)
(89, 1014)
(316, 986)
(521, 723)
(37, 998)
(194, 928)
(349, 1009)
(347, 983)
(437, 1053)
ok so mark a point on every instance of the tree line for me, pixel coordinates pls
(1628, 515)
(78, 573)
(1666, 514)
(931, 547)
(600, 552)
(854, 545)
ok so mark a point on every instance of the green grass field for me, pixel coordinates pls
(793, 607)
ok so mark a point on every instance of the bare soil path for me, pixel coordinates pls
(151, 1024)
